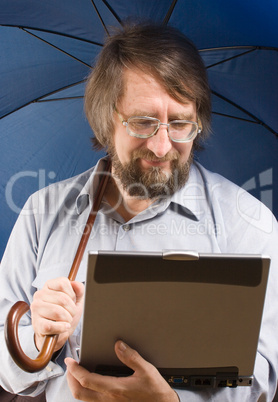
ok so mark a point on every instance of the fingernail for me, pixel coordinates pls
(122, 346)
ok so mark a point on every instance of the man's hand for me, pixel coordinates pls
(56, 309)
(145, 385)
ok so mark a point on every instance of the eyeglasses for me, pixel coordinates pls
(146, 127)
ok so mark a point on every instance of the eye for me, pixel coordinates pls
(180, 125)
(142, 124)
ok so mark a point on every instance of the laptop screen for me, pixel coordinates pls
(196, 317)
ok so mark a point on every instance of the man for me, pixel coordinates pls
(148, 103)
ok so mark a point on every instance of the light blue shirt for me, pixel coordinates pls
(210, 214)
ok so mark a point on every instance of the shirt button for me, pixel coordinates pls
(126, 227)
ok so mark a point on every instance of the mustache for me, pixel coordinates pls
(149, 155)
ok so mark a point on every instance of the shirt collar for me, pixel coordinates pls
(192, 197)
(88, 192)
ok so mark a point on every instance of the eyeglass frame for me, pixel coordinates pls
(130, 133)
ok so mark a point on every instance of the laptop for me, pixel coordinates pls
(196, 317)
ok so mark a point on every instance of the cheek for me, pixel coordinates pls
(118, 140)
(184, 150)
(124, 146)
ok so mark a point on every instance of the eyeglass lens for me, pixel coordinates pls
(178, 130)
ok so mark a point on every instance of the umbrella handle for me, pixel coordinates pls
(13, 344)
(20, 308)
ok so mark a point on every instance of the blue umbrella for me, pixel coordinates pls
(47, 49)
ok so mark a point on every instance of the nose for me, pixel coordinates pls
(160, 144)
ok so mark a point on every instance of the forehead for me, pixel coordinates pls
(142, 89)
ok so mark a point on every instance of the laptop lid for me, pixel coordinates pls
(196, 317)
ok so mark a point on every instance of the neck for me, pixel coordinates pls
(126, 205)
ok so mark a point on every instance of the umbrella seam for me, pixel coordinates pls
(257, 120)
(52, 32)
(55, 47)
(232, 58)
(112, 11)
(40, 98)
(59, 99)
(238, 55)
(239, 47)
(100, 18)
(235, 117)
(169, 12)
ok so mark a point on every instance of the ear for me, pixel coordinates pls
(200, 126)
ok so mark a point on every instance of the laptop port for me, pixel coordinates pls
(177, 380)
(227, 383)
(202, 382)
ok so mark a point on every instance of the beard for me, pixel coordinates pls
(154, 182)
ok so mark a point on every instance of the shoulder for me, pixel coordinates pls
(57, 196)
(235, 210)
(75, 183)
(224, 191)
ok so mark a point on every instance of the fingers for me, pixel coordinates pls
(56, 309)
(145, 385)
(79, 391)
(62, 288)
(51, 321)
(84, 385)
(145, 376)
(92, 381)
(54, 302)
(132, 358)
(78, 289)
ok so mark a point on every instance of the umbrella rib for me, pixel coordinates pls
(41, 98)
(58, 99)
(169, 12)
(239, 47)
(233, 57)
(113, 12)
(53, 32)
(99, 16)
(250, 49)
(56, 47)
(234, 117)
(256, 120)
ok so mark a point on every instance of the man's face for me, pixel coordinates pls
(153, 166)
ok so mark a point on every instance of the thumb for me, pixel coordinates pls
(130, 357)
(78, 289)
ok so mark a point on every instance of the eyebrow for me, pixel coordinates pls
(143, 113)
(181, 116)
(174, 116)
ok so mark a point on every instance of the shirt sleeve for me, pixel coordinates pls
(17, 271)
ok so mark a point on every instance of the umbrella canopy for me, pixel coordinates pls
(47, 49)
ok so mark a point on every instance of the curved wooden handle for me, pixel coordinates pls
(11, 336)
(20, 308)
